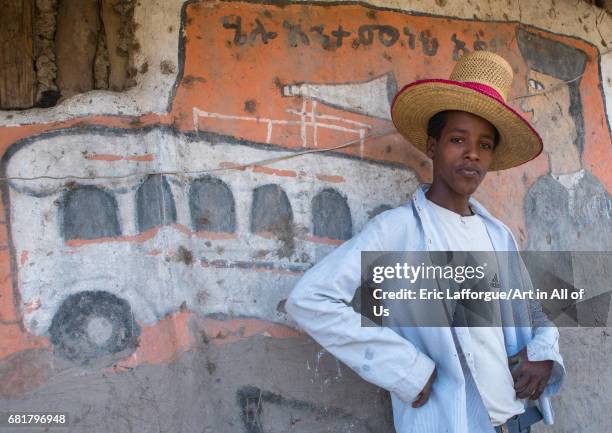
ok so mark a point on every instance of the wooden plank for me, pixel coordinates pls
(76, 38)
(17, 77)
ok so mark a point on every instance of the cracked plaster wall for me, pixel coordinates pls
(154, 84)
(220, 357)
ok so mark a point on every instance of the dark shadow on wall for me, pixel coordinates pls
(266, 412)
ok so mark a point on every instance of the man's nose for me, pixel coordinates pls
(472, 150)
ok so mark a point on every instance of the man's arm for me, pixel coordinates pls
(542, 370)
(319, 303)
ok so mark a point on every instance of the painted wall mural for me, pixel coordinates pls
(568, 208)
(143, 241)
(346, 66)
(118, 226)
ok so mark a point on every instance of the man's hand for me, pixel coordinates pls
(424, 395)
(530, 377)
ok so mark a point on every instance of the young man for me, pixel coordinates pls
(445, 379)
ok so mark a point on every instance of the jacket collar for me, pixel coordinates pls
(421, 201)
(434, 240)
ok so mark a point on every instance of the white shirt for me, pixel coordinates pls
(492, 375)
(402, 359)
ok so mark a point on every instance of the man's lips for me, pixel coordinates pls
(469, 171)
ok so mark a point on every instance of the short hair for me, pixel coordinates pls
(438, 121)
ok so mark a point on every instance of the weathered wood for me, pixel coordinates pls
(76, 38)
(17, 76)
(118, 55)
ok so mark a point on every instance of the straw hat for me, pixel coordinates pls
(479, 84)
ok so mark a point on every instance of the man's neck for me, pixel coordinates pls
(449, 200)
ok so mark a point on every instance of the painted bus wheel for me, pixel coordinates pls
(92, 324)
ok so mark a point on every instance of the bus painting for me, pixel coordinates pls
(104, 242)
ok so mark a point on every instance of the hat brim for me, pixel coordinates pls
(416, 103)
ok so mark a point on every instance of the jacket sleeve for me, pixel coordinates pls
(319, 303)
(545, 343)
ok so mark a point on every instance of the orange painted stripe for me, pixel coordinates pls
(141, 237)
(233, 165)
(216, 235)
(149, 234)
(145, 157)
(321, 240)
(330, 178)
(260, 169)
(176, 333)
(274, 171)
(233, 330)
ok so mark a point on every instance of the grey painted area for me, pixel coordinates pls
(212, 206)
(585, 400)
(271, 210)
(88, 212)
(263, 411)
(574, 218)
(209, 380)
(258, 385)
(331, 215)
(154, 203)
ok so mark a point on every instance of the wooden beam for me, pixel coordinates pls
(76, 38)
(17, 76)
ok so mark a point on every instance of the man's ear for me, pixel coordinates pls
(431, 146)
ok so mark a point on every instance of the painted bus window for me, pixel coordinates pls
(331, 215)
(270, 210)
(154, 203)
(88, 212)
(212, 206)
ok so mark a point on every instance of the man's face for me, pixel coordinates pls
(463, 153)
(549, 105)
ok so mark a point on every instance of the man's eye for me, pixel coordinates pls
(535, 84)
(456, 140)
(486, 145)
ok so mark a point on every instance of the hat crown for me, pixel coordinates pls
(486, 68)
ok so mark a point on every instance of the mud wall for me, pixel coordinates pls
(146, 259)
